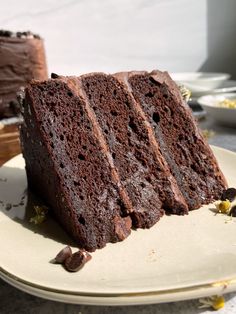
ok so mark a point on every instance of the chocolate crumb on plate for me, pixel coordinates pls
(72, 261)
(233, 211)
(63, 255)
(77, 260)
(229, 194)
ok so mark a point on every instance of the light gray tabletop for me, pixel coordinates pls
(15, 301)
(223, 137)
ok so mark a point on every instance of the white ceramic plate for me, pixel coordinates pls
(179, 258)
(224, 116)
(226, 87)
(200, 82)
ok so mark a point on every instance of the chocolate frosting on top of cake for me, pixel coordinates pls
(22, 58)
(26, 34)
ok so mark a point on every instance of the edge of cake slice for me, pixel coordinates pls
(111, 152)
(187, 153)
(66, 165)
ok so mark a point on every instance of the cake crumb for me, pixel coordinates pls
(152, 256)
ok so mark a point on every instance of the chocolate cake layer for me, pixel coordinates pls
(22, 58)
(108, 152)
(189, 157)
(66, 166)
(142, 170)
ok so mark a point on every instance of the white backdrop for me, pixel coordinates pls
(114, 35)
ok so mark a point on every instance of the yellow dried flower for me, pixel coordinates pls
(228, 103)
(216, 302)
(38, 219)
(41, 212)
(185, 92)
(224, 207)
(208, 134)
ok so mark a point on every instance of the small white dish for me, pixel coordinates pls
(198, 82)
(222, 115)
(228, 86)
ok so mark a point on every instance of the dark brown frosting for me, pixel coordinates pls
(21, 59)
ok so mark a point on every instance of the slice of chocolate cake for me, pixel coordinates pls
(67, 166)
(189, 157)
(22, 58)
(99, 151)
(136, 155)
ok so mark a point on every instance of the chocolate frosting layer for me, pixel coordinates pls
(28, 34)
(21, 60)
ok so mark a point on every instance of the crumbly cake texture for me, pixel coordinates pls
(112, 152)
(22, 58)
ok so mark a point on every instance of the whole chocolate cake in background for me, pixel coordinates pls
(22, 58)
(115, 152)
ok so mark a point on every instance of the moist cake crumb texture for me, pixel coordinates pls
(113, 152)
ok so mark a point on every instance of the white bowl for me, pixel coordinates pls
(222, 115)
(199, 81)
